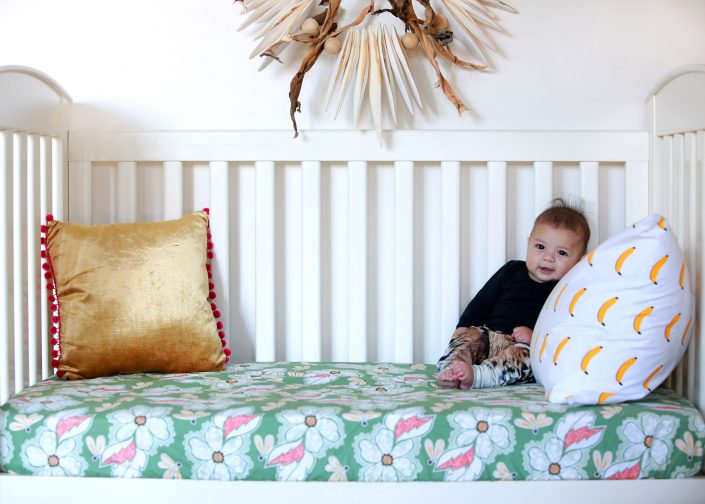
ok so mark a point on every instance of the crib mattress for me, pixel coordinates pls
(337, 421)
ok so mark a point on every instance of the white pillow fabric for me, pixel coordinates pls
(618, 322)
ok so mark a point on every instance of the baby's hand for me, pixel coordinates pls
(522, 334)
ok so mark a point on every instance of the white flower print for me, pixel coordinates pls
(460, 464)
(648, 437)
(384, 459)
(323, 377)
(563, 453)
(697, 423)
(6, 447)
(488, 429)
(551, 462)
(293, 462)
(53, 402)
(56, 448)
(219, 450)
(150, 427)
(320, 428)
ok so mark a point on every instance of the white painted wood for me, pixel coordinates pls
(678, 196)
(357, 261)
(80, 192)
(44, 205)
(636, 191)
(265, 317)
(24, 489)
(18, 281)
(219, 205)
(34, 287)
(311, 277)
(699, 337)
(127, 192)
(496, 215)
(543, 185)
(345, 145)
(450, 252)
(691, 252)
(404, 261)
(5, 268)
(57, 178)
(173, 190)
(590, 192)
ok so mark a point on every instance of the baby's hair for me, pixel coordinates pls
(566, 214)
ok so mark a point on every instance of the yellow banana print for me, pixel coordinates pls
(603, 397)
(685, 333)
(603, 309)
(588, 357)
(559, 349)
(574, 301)
(651, 376)
(667, 331)
(590, 256)
(662, 223)
(558, 298)
(657, 267)
(624, 367)
(639, 319)
(623, 257)
(543, 347)
(682, 275)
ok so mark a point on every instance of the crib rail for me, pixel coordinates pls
(677, 106)
(323, 258)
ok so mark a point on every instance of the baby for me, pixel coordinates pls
(490, 346)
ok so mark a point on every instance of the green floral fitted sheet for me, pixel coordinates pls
(337, 422)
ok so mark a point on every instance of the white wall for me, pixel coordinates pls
(181, 64)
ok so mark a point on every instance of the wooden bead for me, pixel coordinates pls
(332, 45)
(310, 26)
(409, 41)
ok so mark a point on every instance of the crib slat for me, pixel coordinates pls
(699, 336)
(5, 311)
(80, 182)
(357, 261)
(590, 192)
(637, 191)
(311, 279)
(404, 262)
(496, 215)
(44, 205)
(691, 251)
(127, 191)
(33, 221)
(543, 185)
(450, 251)
(173, 190)
(677, 196)
(57, 178)
(265, 321)
(219, 204)
(19, 142)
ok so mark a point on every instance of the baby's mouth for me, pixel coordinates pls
(546, 271)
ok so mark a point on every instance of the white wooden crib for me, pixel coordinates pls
(330, 247)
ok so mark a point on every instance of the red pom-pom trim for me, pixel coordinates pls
(53, 298)
(211, 287)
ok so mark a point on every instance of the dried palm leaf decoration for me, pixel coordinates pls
(374, 59)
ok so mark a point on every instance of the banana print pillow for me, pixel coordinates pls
(618, 322)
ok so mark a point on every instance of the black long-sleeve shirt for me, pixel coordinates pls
(509, 299)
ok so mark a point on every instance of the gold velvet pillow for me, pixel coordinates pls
(131, 298)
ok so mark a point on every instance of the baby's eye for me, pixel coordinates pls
(539, 246)
(563, 253)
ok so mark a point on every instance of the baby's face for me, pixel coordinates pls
(552, 252)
